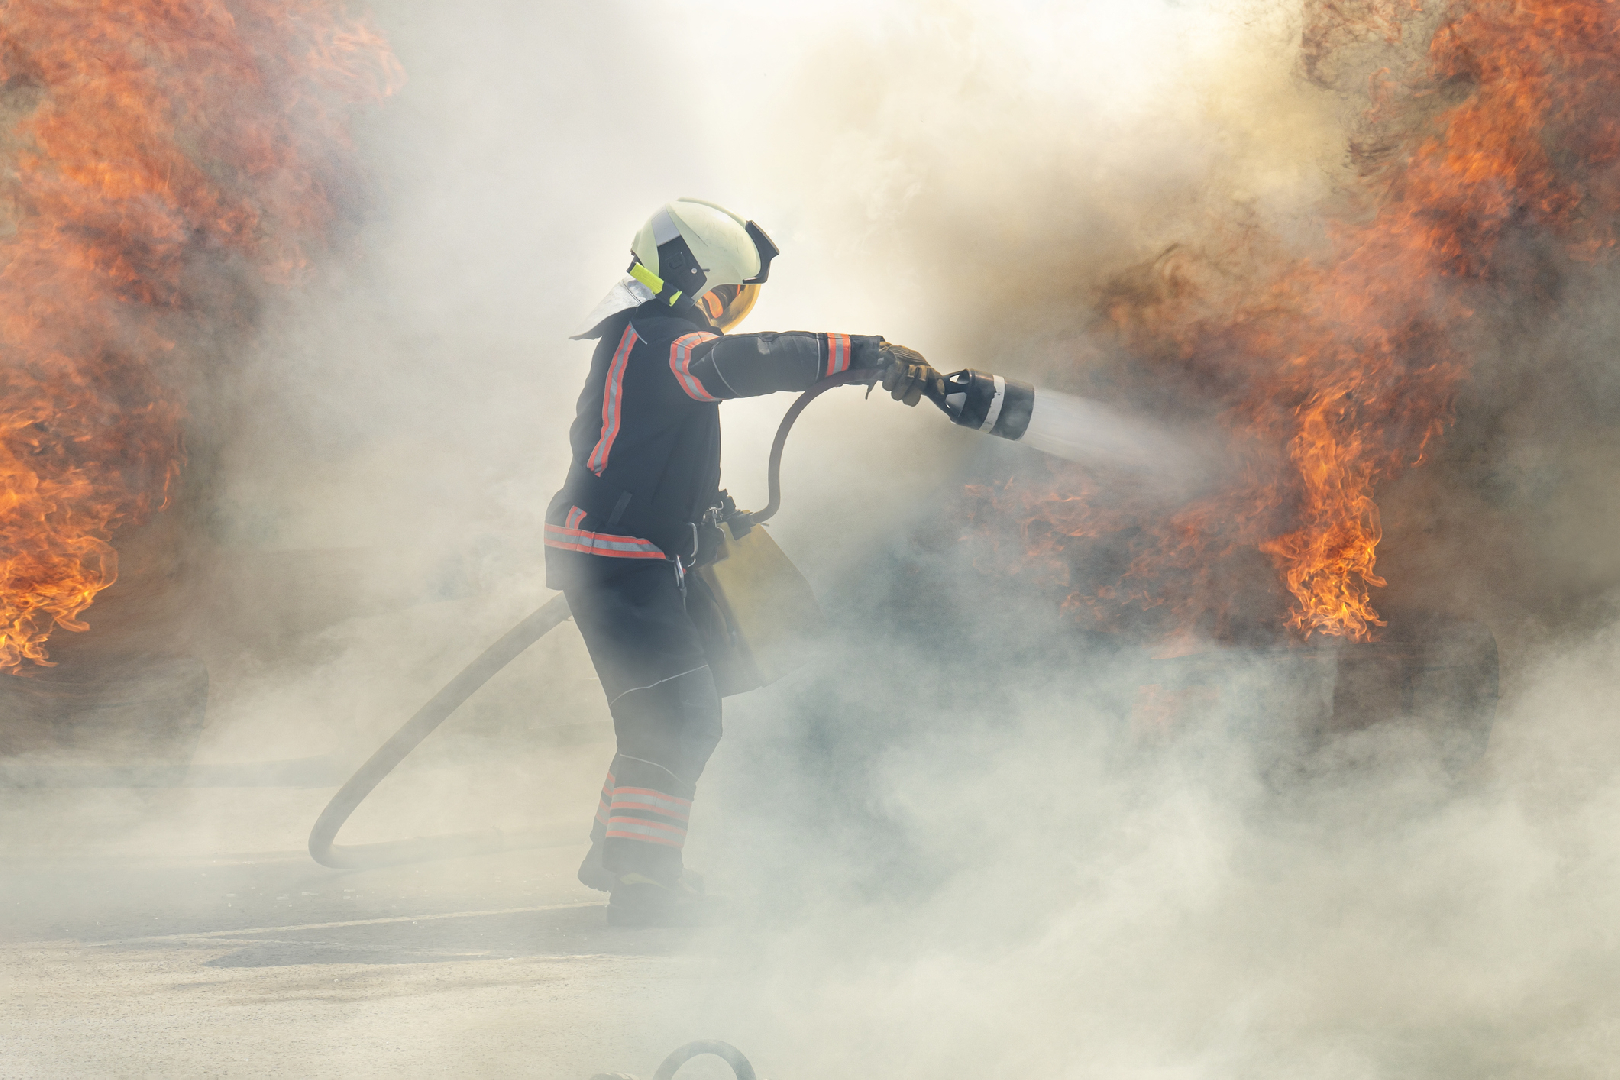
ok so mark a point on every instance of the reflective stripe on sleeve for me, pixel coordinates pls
(680, 359)
(837, 354)
(612, 402)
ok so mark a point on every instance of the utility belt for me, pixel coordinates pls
(752, 607)
(617, 510)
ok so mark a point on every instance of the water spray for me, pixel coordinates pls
(1072, 428)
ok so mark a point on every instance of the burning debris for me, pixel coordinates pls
(1492, 159)
(160, 161)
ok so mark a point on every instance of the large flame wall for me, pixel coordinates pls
(152, 149)
(1492, 157)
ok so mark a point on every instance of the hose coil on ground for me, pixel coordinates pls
(672, 1064)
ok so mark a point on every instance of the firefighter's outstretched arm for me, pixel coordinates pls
(748, 365)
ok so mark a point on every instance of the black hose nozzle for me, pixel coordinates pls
(989, 403)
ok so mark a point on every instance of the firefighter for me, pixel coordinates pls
(632, 519)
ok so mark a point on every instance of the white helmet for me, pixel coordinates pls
(694, 252)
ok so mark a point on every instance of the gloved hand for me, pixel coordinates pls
(907, 376)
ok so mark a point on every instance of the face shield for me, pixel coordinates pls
(728, 305)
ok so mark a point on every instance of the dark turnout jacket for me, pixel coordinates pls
(646, 431)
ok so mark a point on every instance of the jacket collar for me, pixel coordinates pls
(653, 309)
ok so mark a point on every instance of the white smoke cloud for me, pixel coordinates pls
(937, 883)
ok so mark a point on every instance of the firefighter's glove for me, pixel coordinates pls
(907, 376)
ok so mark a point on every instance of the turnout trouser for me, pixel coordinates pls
(666, 713)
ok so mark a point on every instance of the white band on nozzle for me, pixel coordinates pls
(985, 402)
(994, 412)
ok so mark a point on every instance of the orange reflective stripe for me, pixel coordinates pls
(680, 359)
(650, 831)
(612, 402)
(837, 353)
(649, 836)
(591, 543)
(631, 804)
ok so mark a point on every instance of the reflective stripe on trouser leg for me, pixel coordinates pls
(666, 711)
(649, 815)
(666, 733)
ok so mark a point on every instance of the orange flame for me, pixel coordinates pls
(154, 145)
(1335, 375)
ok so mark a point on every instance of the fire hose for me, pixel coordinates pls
(439, 708)
(972, 399)
(740, 1066)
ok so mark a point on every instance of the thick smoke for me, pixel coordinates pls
(960, 844)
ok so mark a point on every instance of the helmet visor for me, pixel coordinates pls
(728, 305)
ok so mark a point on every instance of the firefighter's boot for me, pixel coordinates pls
(594, 874)
(640, 901)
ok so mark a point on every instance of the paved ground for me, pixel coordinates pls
(132, 946)
(267, 965)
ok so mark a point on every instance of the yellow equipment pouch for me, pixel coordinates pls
(762, 616)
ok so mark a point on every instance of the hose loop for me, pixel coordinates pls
(723, 1050)
(774, 474)
(406, 739)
